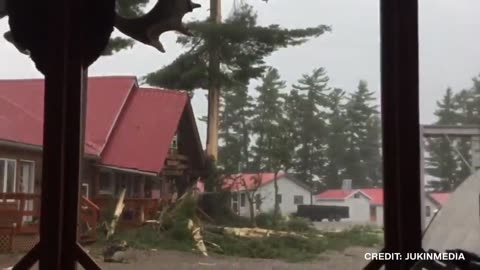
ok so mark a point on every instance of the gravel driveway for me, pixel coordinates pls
(352, 258)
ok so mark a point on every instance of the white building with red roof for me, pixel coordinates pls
(291, 192)
(366, 205)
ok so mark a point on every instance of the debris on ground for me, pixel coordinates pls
(251, 232)
(197, 237)
(116, 253)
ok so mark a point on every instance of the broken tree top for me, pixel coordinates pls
(29, 26)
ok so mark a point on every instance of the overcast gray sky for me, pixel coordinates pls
(449, 52)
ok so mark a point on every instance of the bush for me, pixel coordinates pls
(295, 224)
(289, 248)
(298, 224)
(220, 212)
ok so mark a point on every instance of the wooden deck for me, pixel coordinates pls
(20, 215)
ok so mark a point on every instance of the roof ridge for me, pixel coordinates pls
(172, 91)
(89, 77)
(133, 88)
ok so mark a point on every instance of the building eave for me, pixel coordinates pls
(129, 170)
(34, 147)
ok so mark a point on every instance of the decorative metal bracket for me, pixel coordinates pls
(28, 26)
(165, 16)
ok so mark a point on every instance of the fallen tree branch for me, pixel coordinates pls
(197, 237)
(251, 232)
(116, 214)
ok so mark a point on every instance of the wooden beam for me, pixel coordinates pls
(172, 162)
(172, 172)
(177, 167)
(401, 128)
(454, 131)
(177, 157)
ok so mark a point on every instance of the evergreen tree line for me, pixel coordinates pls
(308, 129)
(450, 158)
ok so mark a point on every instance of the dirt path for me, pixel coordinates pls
(352, 258)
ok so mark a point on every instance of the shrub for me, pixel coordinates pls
(267, 220)
(298, 224)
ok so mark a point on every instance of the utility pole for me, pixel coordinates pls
(214, 85)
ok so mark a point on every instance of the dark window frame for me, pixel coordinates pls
(295, 199)
(63, 128)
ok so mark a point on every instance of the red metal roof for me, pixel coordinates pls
(333, 194)
(125, 127)
(145, 130)
(375, 194)
(236, 182)
(105, 95)
(440, 197)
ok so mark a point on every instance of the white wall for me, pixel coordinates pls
(428, 203)
(286, 188)
(433, 208)
(359, 208)
(379, 215)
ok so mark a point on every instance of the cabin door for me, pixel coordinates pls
(373, 213)
(27, 176)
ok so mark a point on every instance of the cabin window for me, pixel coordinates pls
(298, 199)
(127, 181)
(174, 144)
(106, 183)
(428, 211)
(27, 176)
(242, 199)
(356, 195)
(235, 203)
(8, 169)
(258, 201)
(279, 198)
(84, 190)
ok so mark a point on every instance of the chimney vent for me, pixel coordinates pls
(347, 184)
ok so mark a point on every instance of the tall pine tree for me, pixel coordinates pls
(336, 139)
(242, 46)
(312, 89)
(235, 130)
(363, 162)
(442, 162)
(267, 120)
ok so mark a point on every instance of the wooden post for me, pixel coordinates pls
(422, 180)
(142, 187)
(63, 128)
(400, 119)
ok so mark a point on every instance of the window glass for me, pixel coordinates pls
(298, 199)
(2, 175)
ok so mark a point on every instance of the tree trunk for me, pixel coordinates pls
(251, 199)
(213, 115)
(214, 87)
(276, 208)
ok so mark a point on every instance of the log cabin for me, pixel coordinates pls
(142, 139)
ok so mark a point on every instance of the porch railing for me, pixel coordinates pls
(136, 210)
(22, 210)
